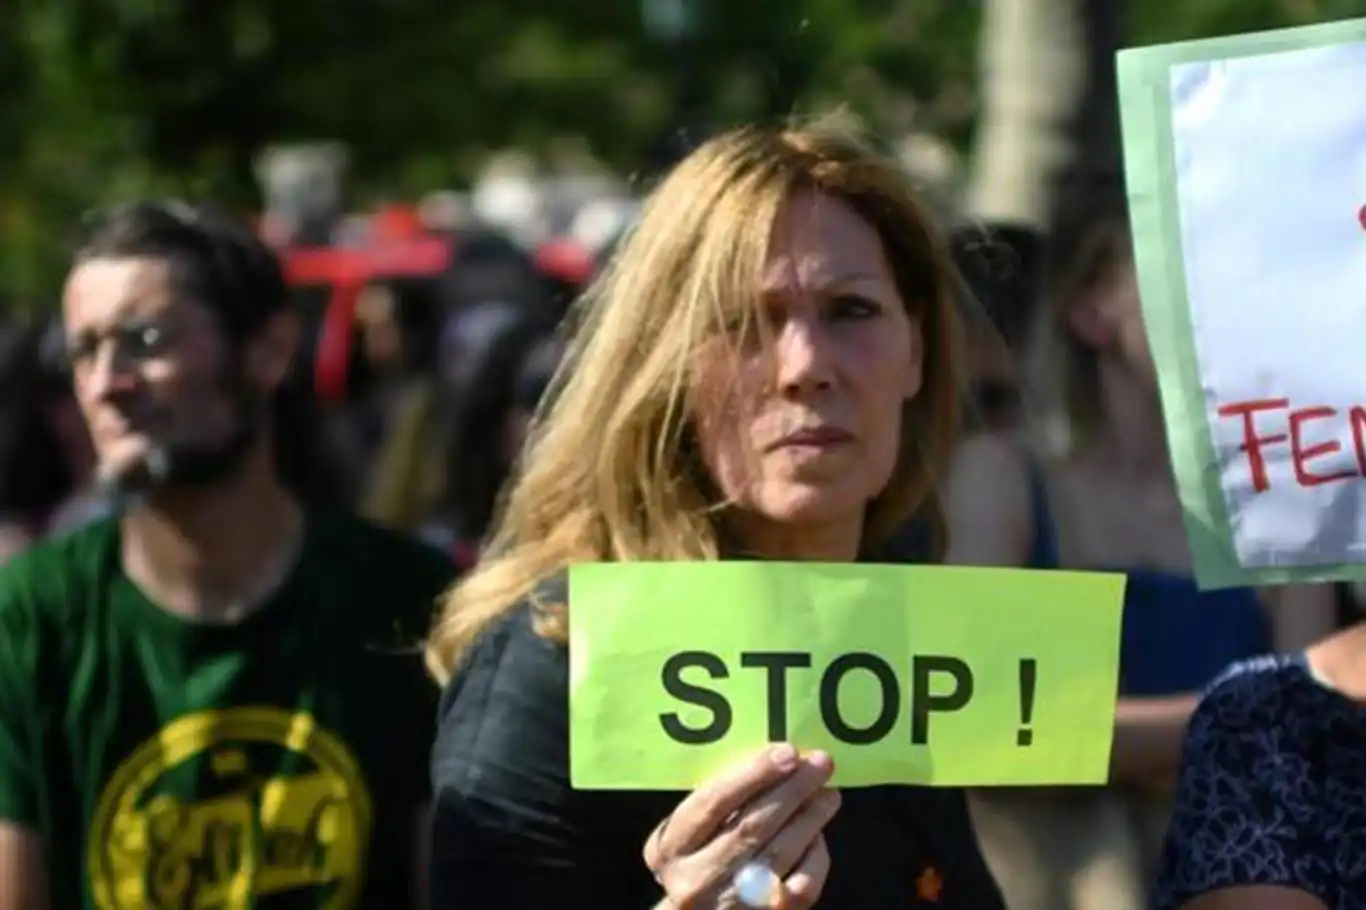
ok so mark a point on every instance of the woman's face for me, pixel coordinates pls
(1130, 337)
(800, 423)
(1109, 318)
(381, 336)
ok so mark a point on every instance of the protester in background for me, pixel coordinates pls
(407, 481)
(320, 452)
(86, 501)
(488, 422)
(999, 266)
(397, 331)
(534, 377)
(567, 268)
(1093, 490)
(309, 456)
(784, 308)
(218, 656)
(1272, 800)
(33, 476)
(45, 458)
(453, 440)
(488, 265)
(382, 340)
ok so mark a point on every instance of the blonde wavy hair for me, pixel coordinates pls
(610, 471)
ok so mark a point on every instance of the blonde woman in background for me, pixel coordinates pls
(452, 442)
(1091, 488)
(770, 369)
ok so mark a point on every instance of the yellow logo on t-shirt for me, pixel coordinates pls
(279, 806)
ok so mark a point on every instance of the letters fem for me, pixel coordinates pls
(1288, 427)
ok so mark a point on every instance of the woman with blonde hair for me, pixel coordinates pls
(769, 369)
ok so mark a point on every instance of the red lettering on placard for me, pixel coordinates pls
(1357, 416)
(1252, 443)
(1256, 439)
(1300, 454)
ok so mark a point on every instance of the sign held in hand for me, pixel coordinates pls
(1251, 252)
(905, 674)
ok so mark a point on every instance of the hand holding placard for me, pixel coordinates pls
(765, 815)
(904, 674)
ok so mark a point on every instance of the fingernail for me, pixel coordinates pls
(783, 756)
(821, 759)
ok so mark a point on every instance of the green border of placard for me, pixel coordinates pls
(1150, 175)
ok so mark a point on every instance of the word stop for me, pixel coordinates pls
(938, 684)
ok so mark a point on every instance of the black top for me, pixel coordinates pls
(511, 832)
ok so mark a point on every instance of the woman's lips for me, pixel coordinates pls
(823, 438)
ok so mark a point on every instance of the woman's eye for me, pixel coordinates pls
(852, 306)
(742, 327)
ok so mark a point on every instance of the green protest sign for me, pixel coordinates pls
(941, 676)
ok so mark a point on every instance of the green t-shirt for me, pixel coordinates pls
(276, 763)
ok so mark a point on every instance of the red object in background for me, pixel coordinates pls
(423, 257)
(397, 223)
(567, 261)
(347, 272)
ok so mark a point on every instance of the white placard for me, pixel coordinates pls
(1270, 155)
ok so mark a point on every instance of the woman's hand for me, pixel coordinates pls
(771, 809)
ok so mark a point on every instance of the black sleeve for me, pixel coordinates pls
(958, 839)
(430, 586)
(509, 831)
(405, 580)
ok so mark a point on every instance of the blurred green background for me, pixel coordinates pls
(102, 100)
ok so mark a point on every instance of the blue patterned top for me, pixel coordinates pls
(1272, 789)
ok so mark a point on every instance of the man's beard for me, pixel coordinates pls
(170, 467)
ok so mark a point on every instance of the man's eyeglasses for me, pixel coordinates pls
(133, 343)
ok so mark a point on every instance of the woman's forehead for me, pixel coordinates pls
(819, 240)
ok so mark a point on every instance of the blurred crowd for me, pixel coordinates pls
(433, 332)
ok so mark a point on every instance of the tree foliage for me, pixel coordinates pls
(104, 100)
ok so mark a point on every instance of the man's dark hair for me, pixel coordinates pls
(216, 259)
(220, 263)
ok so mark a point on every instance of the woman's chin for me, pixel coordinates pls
(796, 503)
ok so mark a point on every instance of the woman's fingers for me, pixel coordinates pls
(706, 809)
(710, 869)
(770, 810)
(759, 823)
(803, 887)
(785, 852)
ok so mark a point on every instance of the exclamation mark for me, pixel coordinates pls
(1028, 675)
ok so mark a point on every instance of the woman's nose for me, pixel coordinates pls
(804, 360)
